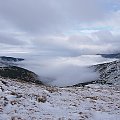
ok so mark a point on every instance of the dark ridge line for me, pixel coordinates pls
(4, 58)
(19, 74)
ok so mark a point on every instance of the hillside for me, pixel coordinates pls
(26, 101)
(9, 69)
(24, 97)
(109, 72)
(18, 73)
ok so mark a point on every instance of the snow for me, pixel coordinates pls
(25, 101)
(109, 72)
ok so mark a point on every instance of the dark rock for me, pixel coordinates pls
(42, 99)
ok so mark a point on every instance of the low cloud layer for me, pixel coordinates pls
(64, 71)
(68, 75)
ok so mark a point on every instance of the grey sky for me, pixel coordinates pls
(65, 27)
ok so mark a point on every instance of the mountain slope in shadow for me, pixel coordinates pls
(9, 69)
(18, 73)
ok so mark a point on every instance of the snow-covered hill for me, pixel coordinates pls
(26, 101)
(109, 72)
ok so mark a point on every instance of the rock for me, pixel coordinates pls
(42, 99)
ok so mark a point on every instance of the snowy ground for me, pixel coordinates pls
(24, 101)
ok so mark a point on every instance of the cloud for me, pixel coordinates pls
(10, 40)
(102, 41)
(64, 71)
(43, 16)
(69, 75)
(61, 28)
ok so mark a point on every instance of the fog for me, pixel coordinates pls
(64, 71)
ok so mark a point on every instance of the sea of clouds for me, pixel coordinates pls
(64, 71)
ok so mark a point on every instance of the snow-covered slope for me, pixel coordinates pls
(25, 101)
(109, 72)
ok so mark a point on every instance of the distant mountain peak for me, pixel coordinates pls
(116, 55)
(10, 59)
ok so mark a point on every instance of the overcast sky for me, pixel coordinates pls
(59, 27)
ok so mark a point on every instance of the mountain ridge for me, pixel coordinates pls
(9, 69)
(11, 59)
(116, 55)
